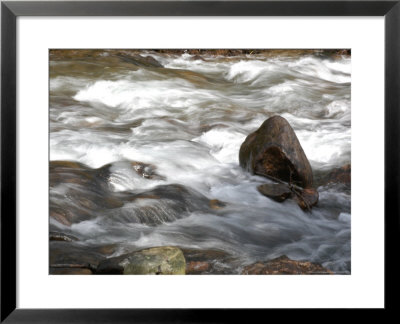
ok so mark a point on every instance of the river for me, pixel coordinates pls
(172, 127)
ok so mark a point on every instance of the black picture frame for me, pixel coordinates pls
(9, 13)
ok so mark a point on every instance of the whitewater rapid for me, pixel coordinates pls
(188, 120)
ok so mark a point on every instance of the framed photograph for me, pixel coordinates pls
(242, 147)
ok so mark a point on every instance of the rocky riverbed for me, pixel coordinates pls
(200, 162)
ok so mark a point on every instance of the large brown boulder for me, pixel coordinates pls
(275, 152)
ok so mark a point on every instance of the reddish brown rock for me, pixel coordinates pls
(60, 216)
(284, 265)
(197, 267)
(274, 151)
(207, 261)
(340, 175)
(276, 191)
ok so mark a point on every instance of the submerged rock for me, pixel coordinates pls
(139, 60)
(339, 175)
(197, 58)
(58, 236)
(165, 203)
(157, 260)
(78, 192)
(284, 265)
(216, 204)
(274, 151)
(276, 191)
(208, 262)
(64, 217)
(197, 267)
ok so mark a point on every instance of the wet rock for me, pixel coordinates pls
(80, 204)
(69, 172)
(61, 216)
(197, 58)
(276, 191)
(70, 271)
(146, 171)
(207, 261)
(216, 204)
(340, 175)
(57, 236)
(139, 60)
(165, 203)
(204, 255)
(75, 258)
(107, 249)
(307, 198)
(96, 179)
(73, 255)
(197, 79)
(274, 151)
(197, 267)
(284, 265)
(78, 192)
(157, 260)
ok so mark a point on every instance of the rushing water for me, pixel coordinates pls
(186, 122)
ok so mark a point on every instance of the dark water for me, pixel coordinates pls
(184, 122)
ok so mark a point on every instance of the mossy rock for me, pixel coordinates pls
(166, 260)
(158, 260)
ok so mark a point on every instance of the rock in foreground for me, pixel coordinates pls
(274, 151)
(284, 265)
(157, 260)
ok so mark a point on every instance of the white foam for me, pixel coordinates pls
(245, 71)
(224, 144)
(326, 146)
(338, 107)
(337, 71)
